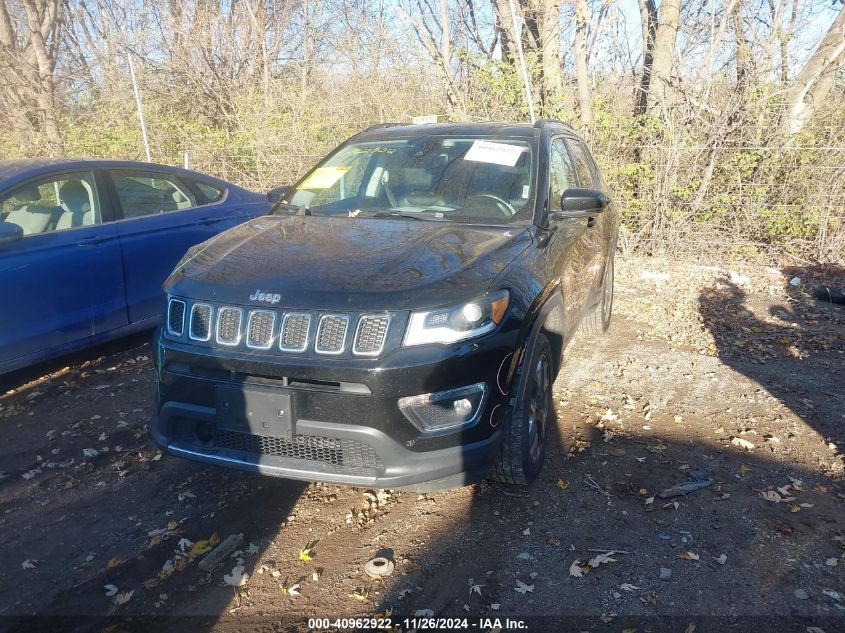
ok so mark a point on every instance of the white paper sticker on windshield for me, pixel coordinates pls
(495, 153)
(324, 177)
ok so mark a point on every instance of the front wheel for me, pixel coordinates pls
(523, 447)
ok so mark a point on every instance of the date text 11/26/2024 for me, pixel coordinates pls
(416, 623)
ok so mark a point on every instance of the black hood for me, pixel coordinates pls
(325, 263)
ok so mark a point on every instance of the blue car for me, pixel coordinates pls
(86, 244)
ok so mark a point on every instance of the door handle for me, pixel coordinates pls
(205, 221)
(92, 241)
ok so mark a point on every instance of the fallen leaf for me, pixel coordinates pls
(114, 562)
(744, 468)
(575, 569)
(601, 559)
(293, 590)
(111, 590)
(167, 569)
(618, 452)
(690, 556)
(771, 495)
(832, 562)
(563, 485)
(362, 593)
(184, 544)
(738, 441)
(90, 452)
(628, 587)
(475, 589)
(522, 588)
(28, 564)
(306, 554)
(721, 559)
(237, 578)
(123, 598)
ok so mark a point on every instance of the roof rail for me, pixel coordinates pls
(541, 122)
(379, 126)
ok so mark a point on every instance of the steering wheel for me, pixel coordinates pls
(504, 207)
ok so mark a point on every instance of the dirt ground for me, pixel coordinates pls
(733, 377)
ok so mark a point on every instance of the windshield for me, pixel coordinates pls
(461, 179)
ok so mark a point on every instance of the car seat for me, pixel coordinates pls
(76, 202)
(32, 218)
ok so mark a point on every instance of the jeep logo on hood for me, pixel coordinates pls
(267, 297)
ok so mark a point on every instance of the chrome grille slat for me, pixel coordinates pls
(199, 328)
(331, 334)
(294, 334)
(229, 321)
(260, 329)
(371, 335)
(176, 317)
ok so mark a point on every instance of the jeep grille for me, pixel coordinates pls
(200, 328)
(294, 337)
(229, 326)
(371, 334)
(331, 334)
(176, 317)
(259, 329)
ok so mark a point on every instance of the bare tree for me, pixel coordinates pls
(582, 78)
(814, 81)
(432, 29)
(30, 37)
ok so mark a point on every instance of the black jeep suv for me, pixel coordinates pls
(400, 317)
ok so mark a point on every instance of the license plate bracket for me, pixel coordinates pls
(255, 411)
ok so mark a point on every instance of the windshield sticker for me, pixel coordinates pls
(495, 153)
(373, 150)
(324, 177)
(525, 191)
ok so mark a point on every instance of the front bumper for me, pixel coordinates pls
(346, 426)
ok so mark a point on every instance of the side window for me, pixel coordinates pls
(581, 156)
(211, 192)
(144, 193)
(561, 174)
(54, 203)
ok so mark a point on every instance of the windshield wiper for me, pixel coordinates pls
(400, 214)
(300, 209)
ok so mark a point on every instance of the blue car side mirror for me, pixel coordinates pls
(10, 232)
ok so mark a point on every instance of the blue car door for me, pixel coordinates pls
(62, 281)
(162, 214)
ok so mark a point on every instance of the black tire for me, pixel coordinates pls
(597, 321)
(523, 447)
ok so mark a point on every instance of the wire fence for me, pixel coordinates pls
(769, 204)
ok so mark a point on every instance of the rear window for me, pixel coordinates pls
(209, 191)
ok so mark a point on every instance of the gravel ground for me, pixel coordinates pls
(733, 377)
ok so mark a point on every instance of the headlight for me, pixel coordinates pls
(457, 323)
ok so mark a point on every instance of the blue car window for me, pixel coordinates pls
(211, 192)
(53, 203)
(143, 193)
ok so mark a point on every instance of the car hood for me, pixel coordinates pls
(319, 262)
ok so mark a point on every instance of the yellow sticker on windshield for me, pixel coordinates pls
(324, 177)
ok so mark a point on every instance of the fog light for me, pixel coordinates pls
(445, 411)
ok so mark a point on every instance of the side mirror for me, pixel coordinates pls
(10, 232)
(580, 202)
(278, 194)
